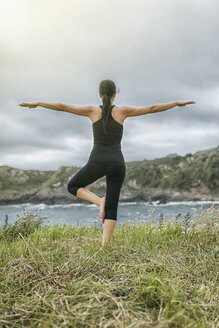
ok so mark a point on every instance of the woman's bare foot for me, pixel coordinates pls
(102, 208)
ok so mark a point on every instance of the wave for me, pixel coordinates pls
(153, 203)
(128, 203)
(198, 202)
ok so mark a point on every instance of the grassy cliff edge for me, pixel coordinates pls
(150, 276)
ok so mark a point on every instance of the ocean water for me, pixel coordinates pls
(87, 214)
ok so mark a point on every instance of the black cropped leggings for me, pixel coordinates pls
(90, 172)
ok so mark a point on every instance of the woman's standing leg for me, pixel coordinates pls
(108, 228)
(115, 176)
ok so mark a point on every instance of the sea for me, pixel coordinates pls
(130, 213)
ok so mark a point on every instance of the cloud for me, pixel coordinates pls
(59, 51)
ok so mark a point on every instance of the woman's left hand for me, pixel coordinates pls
(30, 105)
(184, 103)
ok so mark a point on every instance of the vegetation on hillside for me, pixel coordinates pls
(180, 173)
(187, 173)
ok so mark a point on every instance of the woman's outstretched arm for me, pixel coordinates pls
(54, 106)
(82, 110)
(161, 107)
(155, 108)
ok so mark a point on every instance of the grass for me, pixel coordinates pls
(149, 276)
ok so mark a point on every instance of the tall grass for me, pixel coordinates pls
(149, 276)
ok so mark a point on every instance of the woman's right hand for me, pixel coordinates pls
(184, 103)
(30, 105)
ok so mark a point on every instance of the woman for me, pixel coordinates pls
(106, 158)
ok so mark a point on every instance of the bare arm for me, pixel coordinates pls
(162, 107)
(83, 110)
(54, 106)
(155, 108)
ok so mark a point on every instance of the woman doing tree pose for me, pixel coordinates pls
(106, 158)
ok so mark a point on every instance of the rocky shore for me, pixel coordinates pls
(171, 178)
(61, 196)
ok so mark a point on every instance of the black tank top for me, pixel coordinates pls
(107, 147)
(115, 131)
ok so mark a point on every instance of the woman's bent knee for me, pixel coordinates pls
(73, 189)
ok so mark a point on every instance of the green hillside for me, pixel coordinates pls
(195, 174)
(180, 173)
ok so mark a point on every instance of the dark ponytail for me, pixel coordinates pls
(107, 88)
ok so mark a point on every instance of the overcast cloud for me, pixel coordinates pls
(58, 51)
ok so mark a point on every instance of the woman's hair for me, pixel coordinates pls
(107, 88)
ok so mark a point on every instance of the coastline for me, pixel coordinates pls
(149, 195)
(193, 177)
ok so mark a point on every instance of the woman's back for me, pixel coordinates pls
(107, 147)
(115, 131)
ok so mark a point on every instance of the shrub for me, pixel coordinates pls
(23, 226)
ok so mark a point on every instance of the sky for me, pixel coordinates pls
(59, 51)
